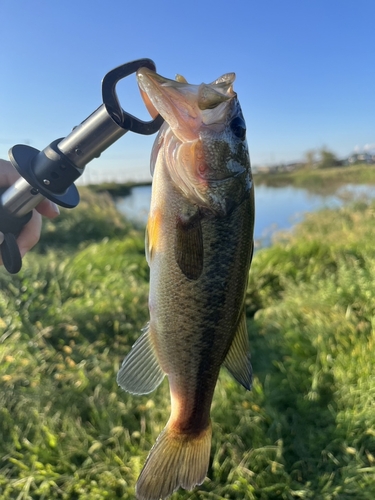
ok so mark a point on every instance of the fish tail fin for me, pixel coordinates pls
(176, 460)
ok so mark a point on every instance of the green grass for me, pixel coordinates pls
(307, 429)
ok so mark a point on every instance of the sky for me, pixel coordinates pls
(305, 70)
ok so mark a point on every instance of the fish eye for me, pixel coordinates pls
(238, 127)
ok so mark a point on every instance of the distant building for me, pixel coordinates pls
(361, 158)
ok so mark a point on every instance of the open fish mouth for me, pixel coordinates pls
(186, 107)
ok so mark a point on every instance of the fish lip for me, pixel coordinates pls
(187, 108)
(168, 98)
(148, 73)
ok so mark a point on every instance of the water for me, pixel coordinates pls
(277, 209)
(136, 205)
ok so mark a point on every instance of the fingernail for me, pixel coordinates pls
(55, 209)
(23, 251)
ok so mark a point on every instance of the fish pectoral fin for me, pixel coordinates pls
(140, 372)
(189, 246)
(237, 361)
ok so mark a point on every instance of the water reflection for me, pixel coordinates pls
(277, 208)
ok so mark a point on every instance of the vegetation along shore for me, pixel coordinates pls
(325, 180)
(306, 431)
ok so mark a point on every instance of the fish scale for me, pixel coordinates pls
(199, 245)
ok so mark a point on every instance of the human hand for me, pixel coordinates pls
(30, 234)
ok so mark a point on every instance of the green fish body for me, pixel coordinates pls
(199, 245)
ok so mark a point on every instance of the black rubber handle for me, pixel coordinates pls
(10, 254)
(11, 226)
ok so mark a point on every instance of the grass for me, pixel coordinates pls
(306, 431)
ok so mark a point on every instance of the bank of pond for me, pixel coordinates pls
(305, 431)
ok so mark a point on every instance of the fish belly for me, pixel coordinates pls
(193, 321)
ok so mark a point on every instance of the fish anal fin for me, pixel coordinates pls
(237, 361)
(189, 246)
(176, 460)
(140, 372)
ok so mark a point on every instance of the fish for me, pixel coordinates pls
(199, 246)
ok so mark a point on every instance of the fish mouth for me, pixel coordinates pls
(186, 107)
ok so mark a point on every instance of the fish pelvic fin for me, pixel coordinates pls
(140, 372)
(176, 460)
(237, 361)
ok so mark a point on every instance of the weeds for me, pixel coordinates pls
(306, 431)
(321, 181)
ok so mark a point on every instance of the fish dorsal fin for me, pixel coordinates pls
(237, 361)
(140, 372)
(189, 246)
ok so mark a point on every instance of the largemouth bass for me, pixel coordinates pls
(199, 245)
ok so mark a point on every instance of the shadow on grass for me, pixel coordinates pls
(299, 397)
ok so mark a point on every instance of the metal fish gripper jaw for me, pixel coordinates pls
(51, 173)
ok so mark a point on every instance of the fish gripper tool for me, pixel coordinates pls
(51, 173)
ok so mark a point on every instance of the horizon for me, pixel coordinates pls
(303, 71)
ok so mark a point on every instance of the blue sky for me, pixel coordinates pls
(305, 70)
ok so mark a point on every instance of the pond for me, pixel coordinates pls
(277, 208)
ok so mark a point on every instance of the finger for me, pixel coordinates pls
(9, 174)
(30, 234)
(48, 209)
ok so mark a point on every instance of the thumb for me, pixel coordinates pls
(48, 209)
